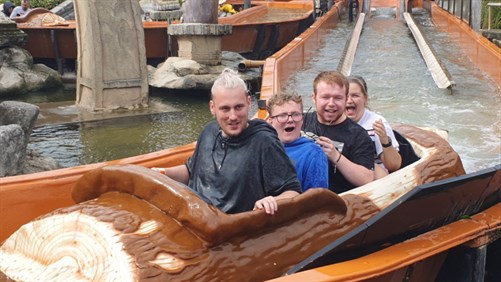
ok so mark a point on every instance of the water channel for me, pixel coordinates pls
(400, 88)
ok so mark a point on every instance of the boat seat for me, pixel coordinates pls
(405, 150)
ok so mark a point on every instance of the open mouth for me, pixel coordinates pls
(350, 110)
(289, 129)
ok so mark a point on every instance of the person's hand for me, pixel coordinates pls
(269, 204)
(329, 148)
(159, 169)
(380, 130)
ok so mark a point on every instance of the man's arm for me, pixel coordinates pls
(178, 173)
(356, 174)
(269, 204)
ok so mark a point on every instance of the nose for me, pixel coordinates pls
(331, 101)
(232, 114)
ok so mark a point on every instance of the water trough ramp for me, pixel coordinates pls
(439, 73)
(346, 62)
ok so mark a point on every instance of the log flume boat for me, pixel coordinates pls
(121, 221)
(258, 32)
(131, 223)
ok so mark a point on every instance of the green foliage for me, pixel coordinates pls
(495, 16)
(47, 4)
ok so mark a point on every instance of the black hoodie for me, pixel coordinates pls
(233, 173)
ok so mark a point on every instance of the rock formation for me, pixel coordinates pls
(180, 73)
(18, 74)
(17, 120)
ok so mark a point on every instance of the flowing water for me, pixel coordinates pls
(402, 90)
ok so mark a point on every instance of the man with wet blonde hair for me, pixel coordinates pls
(238, 164)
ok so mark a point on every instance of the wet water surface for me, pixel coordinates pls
(402, 90)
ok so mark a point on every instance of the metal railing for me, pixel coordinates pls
(489, 12)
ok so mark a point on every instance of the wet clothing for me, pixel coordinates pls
(357, 146)
(310, 161)
(233, 173)
(368, 118)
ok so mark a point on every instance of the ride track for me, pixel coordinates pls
(422, 255)
(40, 193)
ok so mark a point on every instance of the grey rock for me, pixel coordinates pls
(17, 120)
(35, 162)
(12, 149)
(19, 75)
(10, 81)
(180, 73)
(20, 113)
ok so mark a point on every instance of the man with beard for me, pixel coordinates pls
(347, 145)
(238, 164)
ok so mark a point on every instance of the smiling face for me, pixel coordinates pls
(230, 107)
(330, 102)
(25, 4)
(289, 130)
(357, 100)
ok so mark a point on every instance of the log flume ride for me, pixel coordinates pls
(119, 220)
(258, 32)
(132, 223)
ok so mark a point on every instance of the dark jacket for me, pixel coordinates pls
(233, 173)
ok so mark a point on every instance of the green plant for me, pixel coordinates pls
(495, 16)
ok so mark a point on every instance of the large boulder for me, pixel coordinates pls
(19, 75)
(20, 113)
(181, 73)
(12, 149)
(17, 120)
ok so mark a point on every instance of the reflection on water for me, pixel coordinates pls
(97, 141)
(90, 142)
(401, 87)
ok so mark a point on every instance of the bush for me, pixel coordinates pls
(495, 16)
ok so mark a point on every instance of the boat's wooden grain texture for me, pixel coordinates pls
(161, 230)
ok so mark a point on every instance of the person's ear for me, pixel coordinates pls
(212, 107)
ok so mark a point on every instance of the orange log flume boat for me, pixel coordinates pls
(257, 32)
(119, 220)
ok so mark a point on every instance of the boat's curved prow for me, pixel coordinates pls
(165, 231)
(183, 205)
